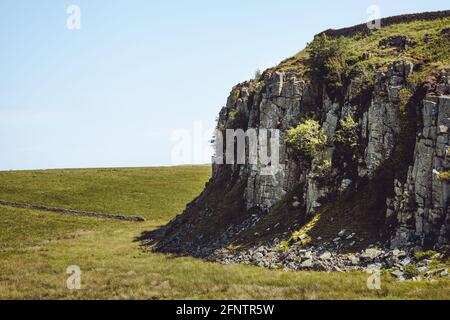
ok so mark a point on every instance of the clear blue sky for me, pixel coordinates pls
(111, 93)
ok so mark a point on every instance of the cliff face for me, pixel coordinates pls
(416, 205)
(390, 188)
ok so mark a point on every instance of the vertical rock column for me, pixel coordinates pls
(422, 204)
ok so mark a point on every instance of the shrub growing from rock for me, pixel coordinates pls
(411, 271)
(347, 135)
(444, 176)
(328, 61)
(422, 255)
(309, 138)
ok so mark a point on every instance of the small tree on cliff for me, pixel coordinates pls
(309, 138)
(347, 135)
(328, 62)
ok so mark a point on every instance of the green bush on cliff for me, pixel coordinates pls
(422, 255)
(444, 176)
(411, 271)
(308, 137)
(405, 95)
(347, 135)
(362, 79)
(232, 115)
(321, 168)
(234, 96)
(328, 61)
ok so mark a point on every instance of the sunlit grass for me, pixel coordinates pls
(114, 267)
(37, 247)
(156, 193)
(432, 55)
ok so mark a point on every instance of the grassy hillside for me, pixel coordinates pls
(37, 247)
(23, 229)
(156, 193)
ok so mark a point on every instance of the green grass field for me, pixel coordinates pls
(37, 247)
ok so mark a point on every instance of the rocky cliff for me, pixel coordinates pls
(387, 92)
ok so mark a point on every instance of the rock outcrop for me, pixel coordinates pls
(401, 154)
(421, 204)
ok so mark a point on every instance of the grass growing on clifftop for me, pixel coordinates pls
(360, 55)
